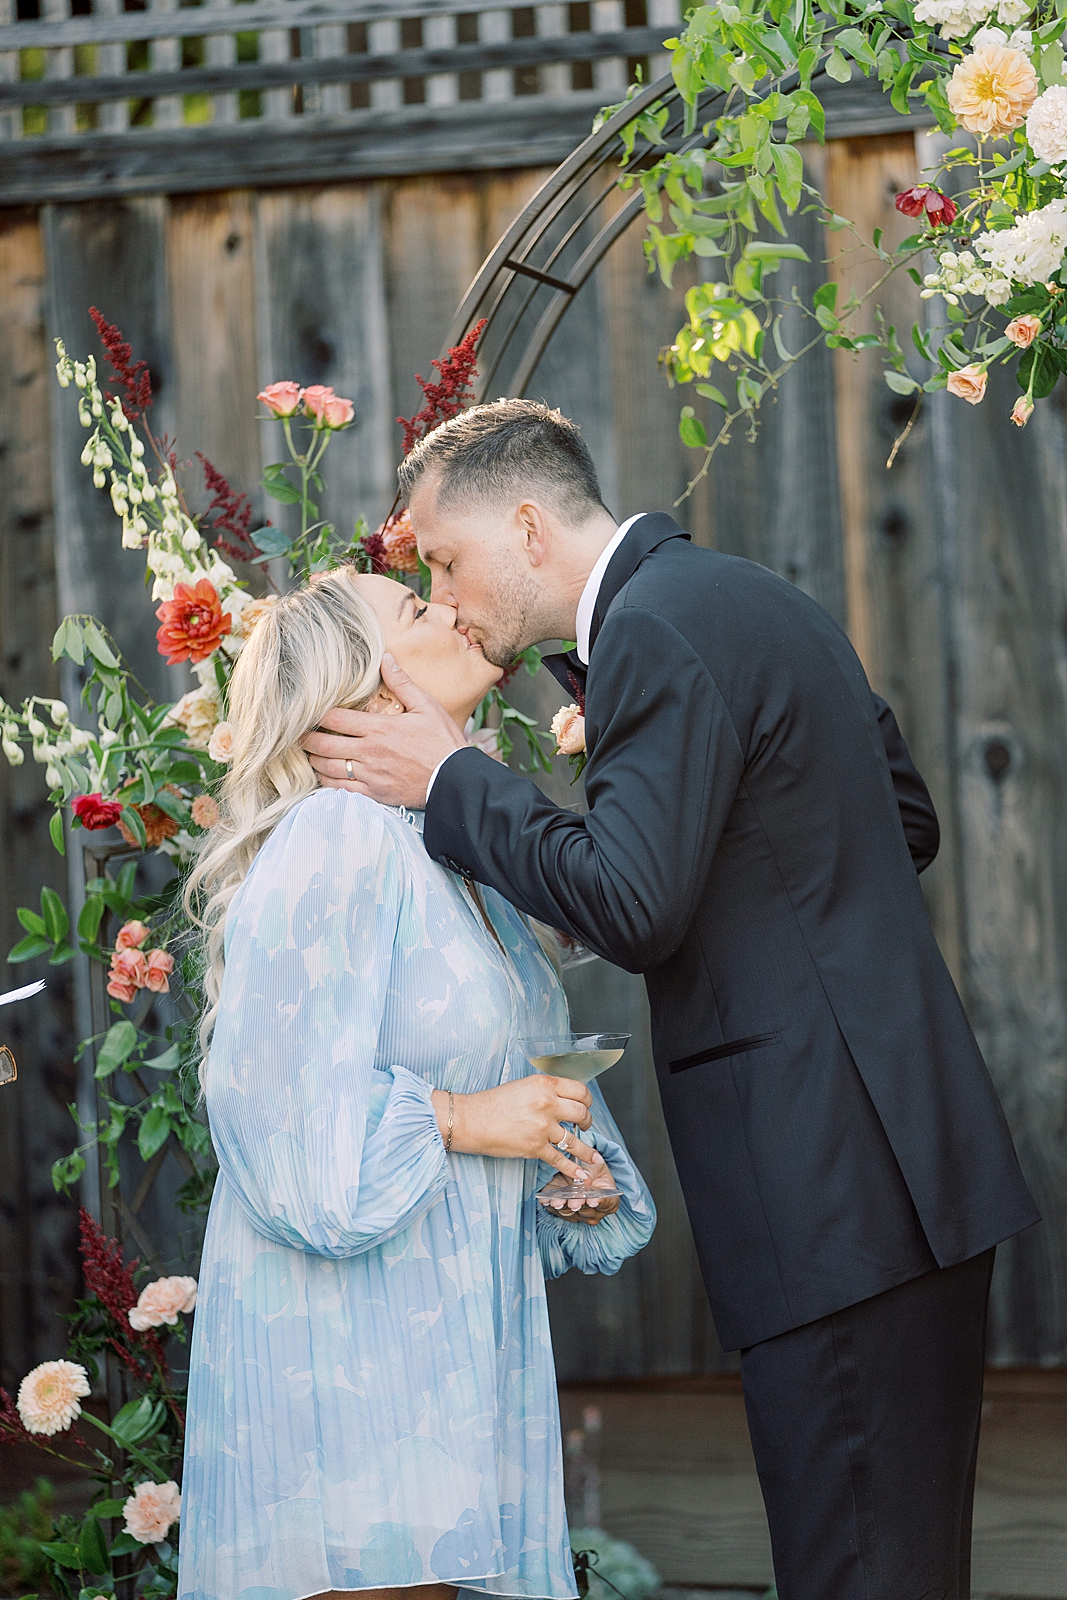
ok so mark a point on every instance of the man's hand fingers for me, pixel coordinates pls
(411, 697)
(344, 783)
(340, 743)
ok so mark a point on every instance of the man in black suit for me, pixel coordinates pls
(754, 836)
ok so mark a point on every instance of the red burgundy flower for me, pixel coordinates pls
(193, 623)
(93, 811)
(925, 200)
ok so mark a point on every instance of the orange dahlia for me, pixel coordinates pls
(193, 623)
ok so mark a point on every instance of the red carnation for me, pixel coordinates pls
(193, 623)
(93, 811)
(938, 209)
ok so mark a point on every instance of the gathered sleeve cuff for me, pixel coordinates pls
(603, 1246)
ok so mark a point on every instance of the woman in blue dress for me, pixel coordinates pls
(372, 1402)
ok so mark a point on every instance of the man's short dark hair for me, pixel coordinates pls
(503, 450)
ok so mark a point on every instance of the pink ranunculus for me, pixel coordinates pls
(131, 936)
(160, 966)
(129, 972)
(162, 1301)
(151, 1509)
(1022, 331)
(282, 399)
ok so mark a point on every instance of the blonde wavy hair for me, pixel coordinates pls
(318, 647)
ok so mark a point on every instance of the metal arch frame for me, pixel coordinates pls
(517, 273)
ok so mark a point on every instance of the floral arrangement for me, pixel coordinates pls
(149, 771)
(134, 1464)
(992, 210)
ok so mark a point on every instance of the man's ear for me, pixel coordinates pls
(535, 530)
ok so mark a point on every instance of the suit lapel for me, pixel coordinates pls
(644, 537)
(647, 533)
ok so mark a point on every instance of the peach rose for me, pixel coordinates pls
(49, 1397)
(991, 91)
(1022, 411)
(281, 398)
(254, 612)
(328, 409)
(160, 966)
(161, 1301)
(129, 972)
(568, 730)
(131, 936)
(968, 383)
(151, 1509)
(205, 811)
(1023, 330)
(221, 746)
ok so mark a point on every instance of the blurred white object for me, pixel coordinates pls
(23, 993)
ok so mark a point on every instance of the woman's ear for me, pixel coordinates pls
(383, 703)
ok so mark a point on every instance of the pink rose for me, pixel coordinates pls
(1022, 411)
(151, 1509)
(1023, 330)
(131, 936)
(129, 972)
(220, 746)
(968, 383)
(160, 967)
(568, 730)
(161, 1301)
(281, 398)
(328, 409)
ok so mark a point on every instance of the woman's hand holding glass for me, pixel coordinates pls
(524, 1118)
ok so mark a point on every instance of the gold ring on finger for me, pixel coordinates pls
(351, 774)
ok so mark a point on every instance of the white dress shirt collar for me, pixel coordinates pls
(583, 622)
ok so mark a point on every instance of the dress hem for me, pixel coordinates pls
(503, 1594)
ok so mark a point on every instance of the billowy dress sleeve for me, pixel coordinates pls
(604, 1247)
(325, 1148)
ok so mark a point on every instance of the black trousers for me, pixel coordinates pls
(865, 1432)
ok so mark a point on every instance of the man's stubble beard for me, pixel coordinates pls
(517, 620)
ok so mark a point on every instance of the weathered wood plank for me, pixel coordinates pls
(38, 1273)
(323, 319)
(211, 276)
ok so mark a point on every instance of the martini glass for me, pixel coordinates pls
(580, 1057)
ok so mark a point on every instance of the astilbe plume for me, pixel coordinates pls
(232, 513)
(112, 1283)
(132, 375)
(448, 397)
(577, 691)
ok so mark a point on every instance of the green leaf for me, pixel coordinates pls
(852, 40)
(183, 772)
(92, 1549)
(277, 485)
(27, 949)
(132, 819)
(125, 1545)
(153, 1133)
(125, 881)
(709, 391)
(826, 295)
(691, 430)
(98, 646)
(62, 952)
(272, 542)
(138, 1419)
(32, 923)
(826, 319)
(68, 642)
(55, 832)
(120, 1039)
(108, 1508)
(837, 67)
(66, 1172)
(172, 804)
(62, 1553)
(789, 165)
(900, 383)
(57, 923)
(166, 1062)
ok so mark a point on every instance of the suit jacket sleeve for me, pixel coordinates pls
(664, 767)
(913, 798)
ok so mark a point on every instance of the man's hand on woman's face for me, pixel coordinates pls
(391, 758)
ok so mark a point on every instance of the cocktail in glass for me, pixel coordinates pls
(580, 1057)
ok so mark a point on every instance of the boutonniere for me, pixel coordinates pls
(568, 730)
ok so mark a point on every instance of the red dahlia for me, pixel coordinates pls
(193, 623)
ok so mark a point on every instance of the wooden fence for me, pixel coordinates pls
(950, 572)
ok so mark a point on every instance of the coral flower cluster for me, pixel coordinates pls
(134, 968)
(326, 409)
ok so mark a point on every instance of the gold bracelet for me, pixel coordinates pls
(451, 1119)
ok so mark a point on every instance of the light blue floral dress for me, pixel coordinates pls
(372, 1399)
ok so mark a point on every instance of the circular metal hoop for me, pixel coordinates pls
(531, 277)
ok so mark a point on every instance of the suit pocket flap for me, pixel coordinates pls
(719, 1052)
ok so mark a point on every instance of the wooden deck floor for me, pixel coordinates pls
(678, 1481)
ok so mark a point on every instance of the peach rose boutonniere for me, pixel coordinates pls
(568, 730)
